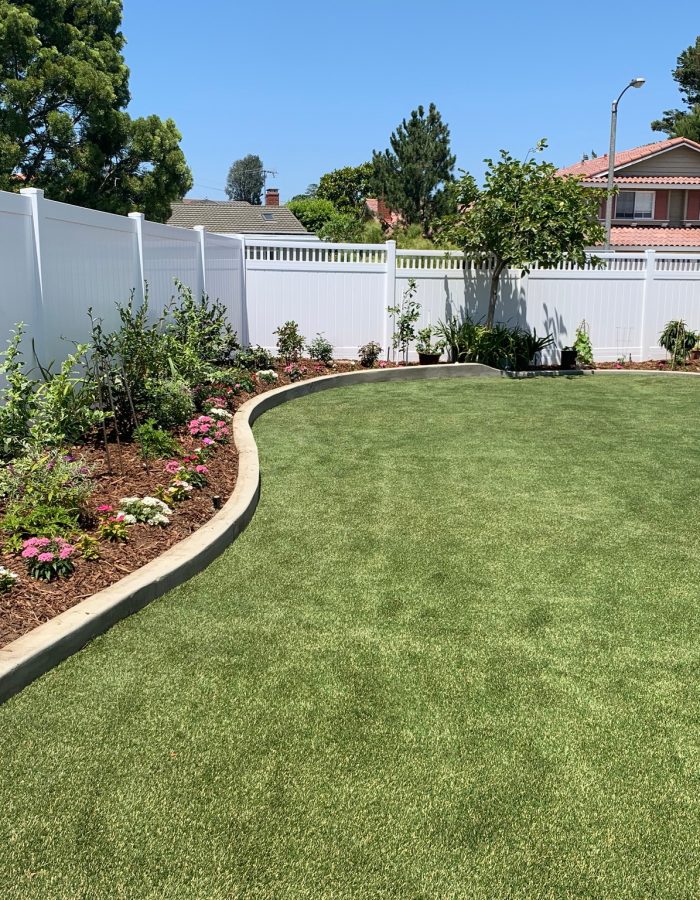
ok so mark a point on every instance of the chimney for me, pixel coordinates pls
(272, 197)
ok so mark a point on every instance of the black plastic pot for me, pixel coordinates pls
(429, 359)
(568, 358)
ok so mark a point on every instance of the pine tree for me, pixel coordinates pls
(685, 123)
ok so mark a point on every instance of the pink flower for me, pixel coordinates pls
(207, 441)
(30, 552)
(172, 466)
(382, 364)
(45, 557)
(105, 508)
(65, 552)
(201, 470)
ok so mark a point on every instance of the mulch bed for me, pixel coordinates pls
(692, 365)
(30, 602)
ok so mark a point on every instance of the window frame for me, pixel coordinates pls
(635, 214)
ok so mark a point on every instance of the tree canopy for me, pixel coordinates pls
(412, 175)
(525, 215)
(64, 87)
(678, 122)
(347, 188)
(246, 180)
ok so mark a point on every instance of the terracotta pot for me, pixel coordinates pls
(429, 359)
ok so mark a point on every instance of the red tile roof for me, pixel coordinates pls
(646, 179)
(592, 167)
(655, 237)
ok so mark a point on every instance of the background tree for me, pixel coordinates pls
(64, 87)
(685, 123)
(525, 215)
(246, 180)
(412, 175)
(347, 188)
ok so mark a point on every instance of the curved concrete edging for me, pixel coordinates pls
(33, 654)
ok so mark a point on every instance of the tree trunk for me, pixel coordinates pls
(493, 295)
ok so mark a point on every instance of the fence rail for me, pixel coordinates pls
(57, 260)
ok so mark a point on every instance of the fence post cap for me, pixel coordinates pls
(136, 215)
(32, 192)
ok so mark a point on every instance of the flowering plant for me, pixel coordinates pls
(7, 579)
(207, 427)
(267, 376)
(114, 528)
(48, 558)
(192, 471)
(294, 371)
(88, 547)
(179, 490)
(148, 510)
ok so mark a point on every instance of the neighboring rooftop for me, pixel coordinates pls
(237, 216)
(648, 236)
(596, 169)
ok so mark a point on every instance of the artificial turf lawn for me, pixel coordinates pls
(454, 655)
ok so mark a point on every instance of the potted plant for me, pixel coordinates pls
(429, 353)
(568, 358)
(695, 352)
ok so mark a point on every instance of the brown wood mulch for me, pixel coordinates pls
(692, 365)
(30, 602)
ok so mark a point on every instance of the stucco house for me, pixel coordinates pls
(240, 217)
(658, 200)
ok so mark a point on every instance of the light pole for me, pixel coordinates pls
(635, 83)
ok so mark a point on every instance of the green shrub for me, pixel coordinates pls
(369, 353)
(153, 442)
(168, 403)
(289, 342)
(321, 350)
(16, 398)
(582, 345)
(254, 358)
(678, 340)
(201, 327)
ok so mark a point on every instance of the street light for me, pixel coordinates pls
(635, 83)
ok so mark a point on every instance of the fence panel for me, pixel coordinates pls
(225, 278)
(20, 299)
(168, 254)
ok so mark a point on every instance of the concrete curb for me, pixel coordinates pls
(38, 651)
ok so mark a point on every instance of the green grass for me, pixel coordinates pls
(456, 654)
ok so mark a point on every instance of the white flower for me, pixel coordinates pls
(129, 519)
(217, 413)
(6, 573)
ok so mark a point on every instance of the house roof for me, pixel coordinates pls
(235, 217)
(647, 179)
(591, 167)
(642, 236)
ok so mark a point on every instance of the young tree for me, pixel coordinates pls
(347, 188)
(685, 123)
(246, 180)
(412, 175)
(64, 88)
(525, 215)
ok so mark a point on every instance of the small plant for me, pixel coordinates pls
(8, 579)
(145, 510)
(424, 343)
(153, 442)
(295, 372)
(582, 344)
(369, 353)
(405, 314)
(677, 340)
(178, 491)
(190, 470)
(321, 350)
(88, 547)
(254, 358)
(113, 526)
(167, 402)
(289, 342)
(209, 429)
(16, 398)
(48, 558)
(267, 376)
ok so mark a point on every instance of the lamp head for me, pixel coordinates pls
(637, 82)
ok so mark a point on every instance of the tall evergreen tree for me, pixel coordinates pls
(246, 180)
(64, 88)
(678, 122)
(412, 175)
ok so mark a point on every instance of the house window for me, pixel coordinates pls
(635, 205)
(268, 217)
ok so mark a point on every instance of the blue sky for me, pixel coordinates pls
(313, 86)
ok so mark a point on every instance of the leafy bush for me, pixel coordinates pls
(582, 345)
(201, 327)
(65, 408)
(312, 213)
(16, 398)
(369, 353)
(500, 346)
(169, 402)
(153, 442)
(321, 350)
(677, 340)
(267, 376)
(254, 358)
(405, 315)
(424, 343)
(289, 342)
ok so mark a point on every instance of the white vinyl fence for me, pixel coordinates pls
(57, 260)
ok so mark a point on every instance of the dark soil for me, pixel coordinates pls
(31, 602)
